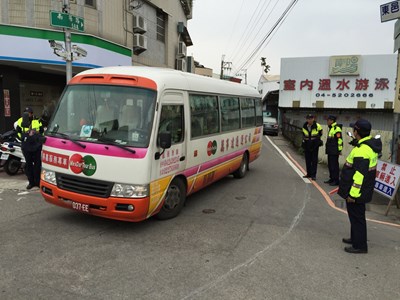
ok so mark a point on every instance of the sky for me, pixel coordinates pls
(235, 29)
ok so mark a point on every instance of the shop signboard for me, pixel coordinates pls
(346, 82)
(7, 106)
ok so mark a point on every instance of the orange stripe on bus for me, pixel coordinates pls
(115, 80)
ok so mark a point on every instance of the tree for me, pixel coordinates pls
(264, 64)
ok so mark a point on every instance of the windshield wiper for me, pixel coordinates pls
(67, 137)
(110, 142)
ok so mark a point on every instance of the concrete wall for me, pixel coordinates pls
(382, 124)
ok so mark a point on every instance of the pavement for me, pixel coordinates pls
(17, 182)
(376, 209)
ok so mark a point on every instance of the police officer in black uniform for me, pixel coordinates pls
(357, 182)
(30, 131)
(312, 132)
(333, 148)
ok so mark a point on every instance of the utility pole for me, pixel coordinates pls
(225, 65)
(396, 110)
(68, 57)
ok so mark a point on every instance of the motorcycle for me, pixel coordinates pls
(12, 158)
(8, 136)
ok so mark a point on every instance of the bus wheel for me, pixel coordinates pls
(174, 200)
(244, 166)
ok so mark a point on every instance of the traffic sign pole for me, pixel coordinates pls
(391, 11)
(67, 22)
(68, 62)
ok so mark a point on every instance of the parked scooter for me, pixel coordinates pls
(12, 158)
(9, 136)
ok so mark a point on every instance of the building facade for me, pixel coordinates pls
(347, 86)
(103, 33)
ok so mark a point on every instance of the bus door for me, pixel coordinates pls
(172, 120)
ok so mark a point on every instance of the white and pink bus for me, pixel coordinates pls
(128, 143)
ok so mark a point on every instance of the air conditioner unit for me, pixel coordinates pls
(139, 24)
(181, 64)
(190, 64)
(182, 49)
(139, 43)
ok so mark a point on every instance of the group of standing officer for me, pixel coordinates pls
(312, 140)
(356, 180)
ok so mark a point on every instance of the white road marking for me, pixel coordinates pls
(22, 193)
(288, 161)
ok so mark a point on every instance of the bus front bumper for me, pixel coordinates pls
(123, 209)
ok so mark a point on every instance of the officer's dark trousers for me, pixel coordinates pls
(33, 166)
(311, 162)
(358, 224)
(333, 166)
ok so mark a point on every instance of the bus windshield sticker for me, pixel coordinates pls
(86, 131)
(135, 136)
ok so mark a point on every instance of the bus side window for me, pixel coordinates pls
(197, 129)
(172, 121)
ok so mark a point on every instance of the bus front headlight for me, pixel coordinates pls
(129, 190)
(48, 176)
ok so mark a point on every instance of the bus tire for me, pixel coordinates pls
(174, 200)
(244, 167)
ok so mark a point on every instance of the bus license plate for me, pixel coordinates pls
(80, 206)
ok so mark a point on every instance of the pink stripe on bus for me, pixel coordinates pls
(93, 148)
(212, 163)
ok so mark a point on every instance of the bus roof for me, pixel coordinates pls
(173, 79)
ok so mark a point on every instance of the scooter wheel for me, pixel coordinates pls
(12, 166)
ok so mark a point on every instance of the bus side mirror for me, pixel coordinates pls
(164, 141)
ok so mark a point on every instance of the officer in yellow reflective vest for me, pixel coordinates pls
(312, 132)
(333, 148)
(30, 131)
(357, 181)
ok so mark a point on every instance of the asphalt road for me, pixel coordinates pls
(272, 236)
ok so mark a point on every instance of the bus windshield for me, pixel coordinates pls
(118, 115)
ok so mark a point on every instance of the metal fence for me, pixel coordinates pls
(293, 133)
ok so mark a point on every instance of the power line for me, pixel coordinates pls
(258, 47)
(234, 26)
(261, 11)
(240, 49)
(248, 24)
(273, 34)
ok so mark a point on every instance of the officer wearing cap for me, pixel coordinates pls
(357, 181)
(312, 132)
(30, 131)
(333, 148)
